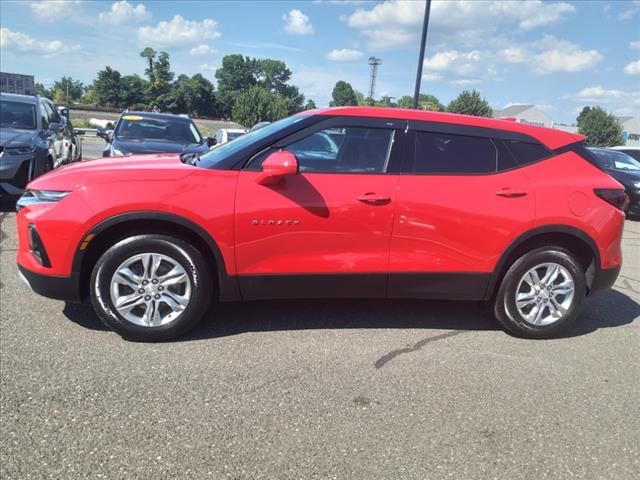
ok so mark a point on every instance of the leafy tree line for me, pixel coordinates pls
(251, 90)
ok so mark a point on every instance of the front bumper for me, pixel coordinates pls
(15, 172)
(60, 288)
(603, 280)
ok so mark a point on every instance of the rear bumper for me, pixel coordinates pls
(60, 288)
(603, 280)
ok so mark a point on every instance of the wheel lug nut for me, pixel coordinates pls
(160, 288)
(154, 281)
(147, 297)
(156, 296)
(145, 282)
(141, 291)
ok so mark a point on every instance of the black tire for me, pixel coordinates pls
(190, 258)
(504, 306)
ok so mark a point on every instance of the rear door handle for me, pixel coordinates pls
(374, 199)
(511, 193)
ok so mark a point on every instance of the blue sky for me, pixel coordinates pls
(557, 55)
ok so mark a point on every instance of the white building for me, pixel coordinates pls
(532, 115)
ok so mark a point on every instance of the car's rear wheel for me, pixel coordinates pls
(541, 293)
(151, 287)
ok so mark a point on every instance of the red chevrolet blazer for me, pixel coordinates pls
(343, 202)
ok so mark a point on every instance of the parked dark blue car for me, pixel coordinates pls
(139, 133)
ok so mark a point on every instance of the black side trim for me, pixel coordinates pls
(264, 287)
(60, 288)
(438, 286)
(442, 286)
(500, 266)
(603, 280)
(229, 290)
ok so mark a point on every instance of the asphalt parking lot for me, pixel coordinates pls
(335, 389)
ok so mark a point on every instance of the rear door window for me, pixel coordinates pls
(442, 153)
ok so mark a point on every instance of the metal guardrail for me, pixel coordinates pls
(84, 131)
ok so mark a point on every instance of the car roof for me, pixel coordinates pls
(20, 98)
(626, 147)
(552, 138)
(160, 116)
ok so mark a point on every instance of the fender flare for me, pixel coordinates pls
(564, 229)
(229, 290)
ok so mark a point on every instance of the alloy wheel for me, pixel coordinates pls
(150, 289)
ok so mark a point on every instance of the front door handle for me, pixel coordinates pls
(374, 199)
(511, 193)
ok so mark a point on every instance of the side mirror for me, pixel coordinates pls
(56, 127)
(104, 134)
(211, 141)
(277, 166)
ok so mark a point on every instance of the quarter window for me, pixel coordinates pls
(344, 150)
(44, 115)
(441, 153)
(525, 152)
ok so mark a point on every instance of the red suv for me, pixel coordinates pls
(343, 202)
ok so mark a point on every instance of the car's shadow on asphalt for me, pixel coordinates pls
(611, 309)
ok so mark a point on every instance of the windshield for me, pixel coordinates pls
(137, 127)
(18, 115)
(612, 160)
(219, 153)
(234, 135)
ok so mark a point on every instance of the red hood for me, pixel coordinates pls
(117, 169)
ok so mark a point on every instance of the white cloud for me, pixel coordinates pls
(633, 68)
(398, 22)
(461, 63)
(635, 45)
(297, 23)
(206, 68)
(513, 55)
(178, 31)
(563, 56)
(20, 42)
(52, 10)
(344, 55)
(124, 12)
(200, 50)
(622, 102)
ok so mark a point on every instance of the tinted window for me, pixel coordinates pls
(44, 114)
(136, 127)
(54, 117)
(348, 150)
(18, 115)
(454, 154)
(615, 160)
(525, 153)
(632, 153)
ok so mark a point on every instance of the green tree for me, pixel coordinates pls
(311, 105)
(40, 89)
(67, 90)
(343, 94)
(193, 96)
(601, 128)
(132, 92)
(470, 103)
(107, 88)
(234, 77)
(258, 104)
(150, 55)
(360, 97)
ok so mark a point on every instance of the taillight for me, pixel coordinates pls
(615, 197)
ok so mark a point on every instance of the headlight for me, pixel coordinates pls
(637, 185)
(35, 197)
(20, 150)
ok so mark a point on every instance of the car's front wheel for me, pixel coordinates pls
(151, 287)
(541, 293)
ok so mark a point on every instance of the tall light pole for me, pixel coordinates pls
(425, 25)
